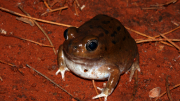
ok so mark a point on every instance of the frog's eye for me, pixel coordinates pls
(66, 34)
(91, 45)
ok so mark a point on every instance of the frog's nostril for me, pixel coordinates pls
(75, 47)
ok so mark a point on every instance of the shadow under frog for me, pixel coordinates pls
(100, 49)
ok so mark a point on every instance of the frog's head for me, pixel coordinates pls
(82, 45)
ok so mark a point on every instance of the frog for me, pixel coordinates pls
(100, 49)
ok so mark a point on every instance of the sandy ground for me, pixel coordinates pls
(156, 59)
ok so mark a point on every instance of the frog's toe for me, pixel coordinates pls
(62, 73)
(133, 68)
(101, 95)
(138, 68)
(104, 93)
(62, 70)
(101, 89)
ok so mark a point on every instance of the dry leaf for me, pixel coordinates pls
(155, 92)
(26, 20)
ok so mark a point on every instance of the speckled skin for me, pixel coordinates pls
(115, 54)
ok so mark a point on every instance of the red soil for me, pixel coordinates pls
(156, 60)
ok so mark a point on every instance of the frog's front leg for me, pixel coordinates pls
(62, 66)
(111, 84)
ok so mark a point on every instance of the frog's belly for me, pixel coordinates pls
(85, 71)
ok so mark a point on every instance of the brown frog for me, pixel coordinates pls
(100, 49)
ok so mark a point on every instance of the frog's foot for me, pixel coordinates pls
(104, 93)
(133, 68)
(101, 95)
(62, 70)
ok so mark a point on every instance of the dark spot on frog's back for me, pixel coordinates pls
(114, 42)
(118, 28)
(113, 34)
(101, 34)
(124, 38)
(105, 48)
(91, 26)
(105, 22)
(106, 31)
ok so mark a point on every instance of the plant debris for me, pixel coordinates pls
(155, 92)
(25, 20)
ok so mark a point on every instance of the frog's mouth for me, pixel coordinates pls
(86, 68)
(82, 61)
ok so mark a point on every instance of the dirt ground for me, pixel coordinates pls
(157, 60)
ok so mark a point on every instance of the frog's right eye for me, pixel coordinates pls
(91, 45)
(66, 34)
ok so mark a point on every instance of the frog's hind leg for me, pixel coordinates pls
(134, 66)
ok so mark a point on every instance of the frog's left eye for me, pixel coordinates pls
(91, 45)
(66, 34)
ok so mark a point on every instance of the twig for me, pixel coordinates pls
(62, 5)
(166, 43)
(39, 28)
(127, 1)
(75, 8)
(48, 2)
(96, 89)
(54, 10)
(50, 22)
(175, 23)
(135, 85)
(165, 4)
(167, 32)
(52, 82)
(157, 6)
(14, 66)
(28, 40)
(148, 40)
(142, 34)
(167, 89)
(25, 20)
(8, 63)
(78, 4)
(54, 2)
(150, 8)
(170, 42)
(172, 1)
(147, 36)
(1, 79)
(45, 3)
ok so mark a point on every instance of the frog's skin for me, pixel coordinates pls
(100, 49)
